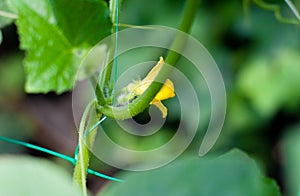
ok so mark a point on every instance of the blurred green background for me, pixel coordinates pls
(259, 58)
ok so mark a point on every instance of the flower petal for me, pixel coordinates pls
(154, 71)
(138, 87)
(161, 107)
(166, 92)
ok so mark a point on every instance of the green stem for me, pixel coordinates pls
(81, 167)
(142, 102)
(185, 26)
(106, 73)
(137, 106)
(106, 82)
(98, 92)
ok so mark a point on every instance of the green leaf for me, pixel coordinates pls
(269, 82)
(0, 36)
(57, 35)
(11, 76)
(232, 174)
(22, 175)
(6, 14)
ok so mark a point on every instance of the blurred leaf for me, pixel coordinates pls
(158, 12)
(231, 174)
(270, 81)
(0, 36)
(11, 77)
(239, 117)
(34, 177)
(4, 20)
(291, 153)
(57, 35)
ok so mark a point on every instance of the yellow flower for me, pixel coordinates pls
(166, 91)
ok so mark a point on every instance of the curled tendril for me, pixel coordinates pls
(277, 11)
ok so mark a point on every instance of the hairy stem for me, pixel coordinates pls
(142, 102)
(82, 163)
(137, 105)
(106, 82)
(98, 91)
